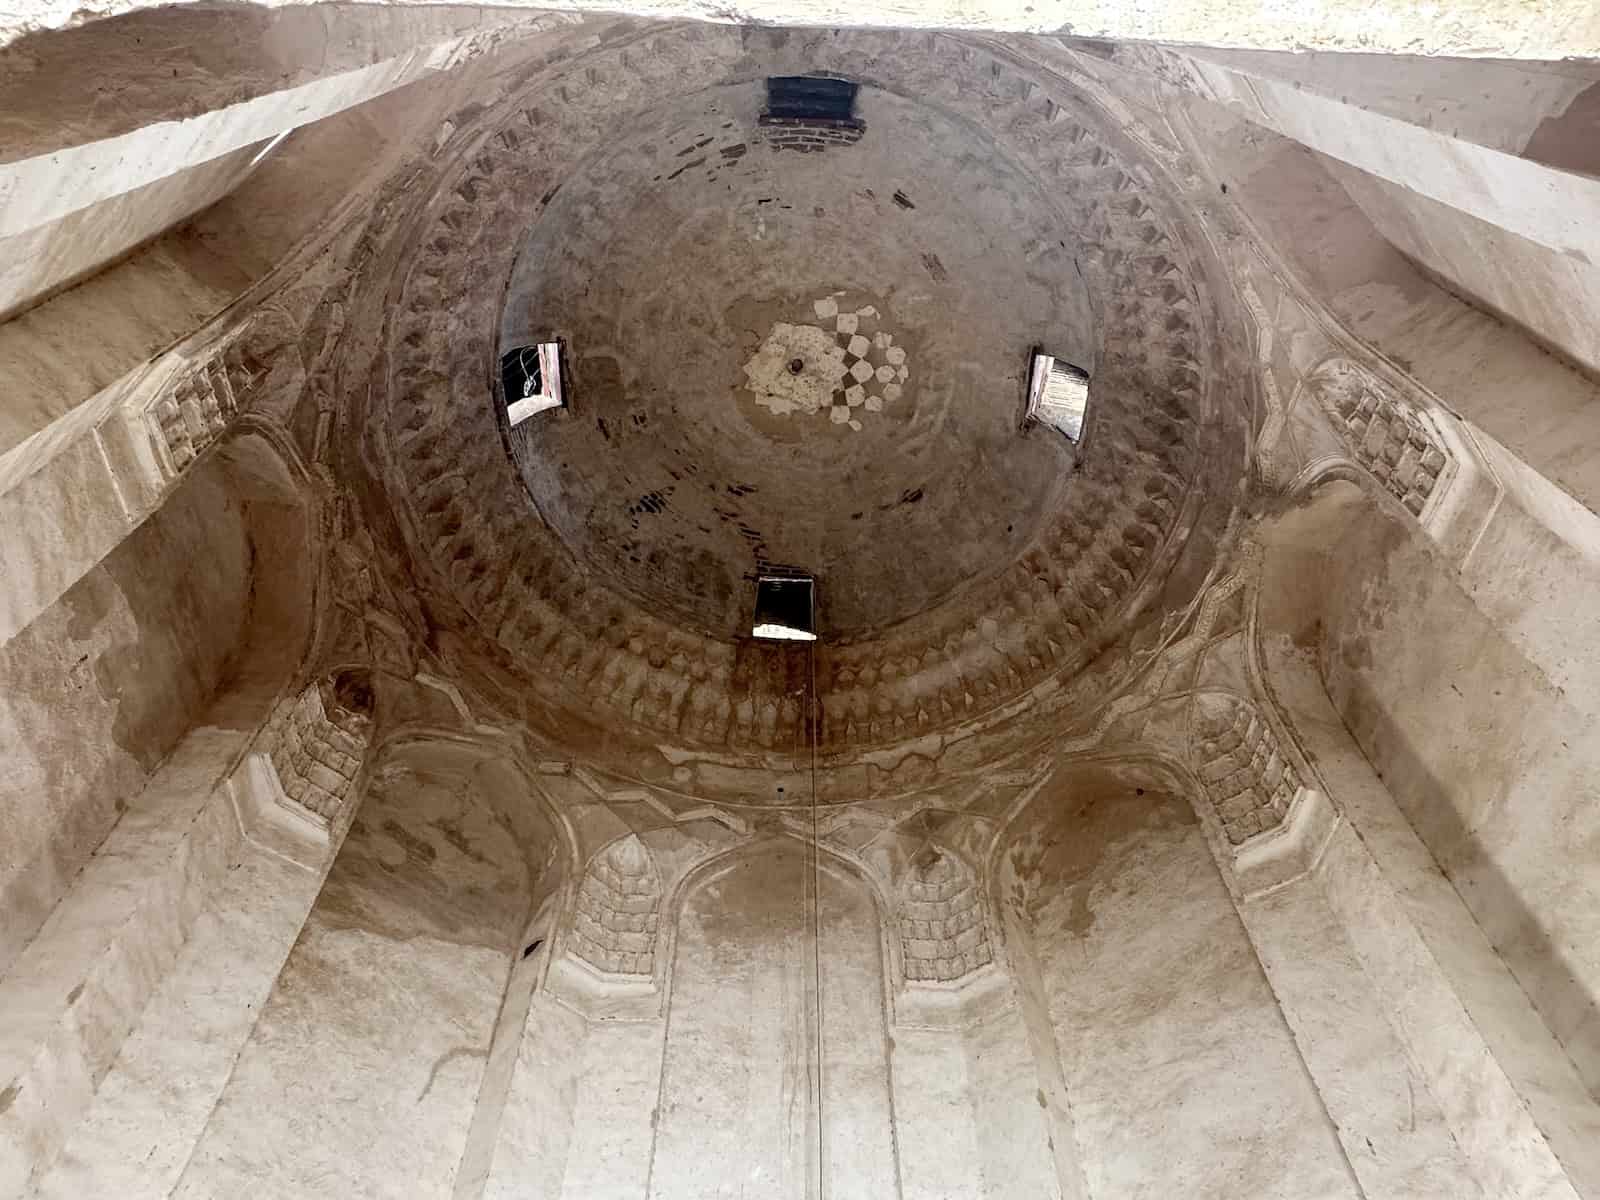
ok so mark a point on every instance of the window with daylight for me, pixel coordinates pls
(532, 379)
(1058, 394)
(785, 609)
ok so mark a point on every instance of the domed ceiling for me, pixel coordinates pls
(802, 349)
(796, 356)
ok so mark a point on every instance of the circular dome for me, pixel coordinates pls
(609, 202)
(806, 354)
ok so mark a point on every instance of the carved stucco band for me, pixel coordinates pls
(1248, 778)
(316, 749)
(614, 929)
(1387, 434)
(943, 934)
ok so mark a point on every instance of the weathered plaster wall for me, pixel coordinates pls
(1542, 289)
(1518, 1117)
(935, 1125)
(532, 1153)
(150, 1109)
(77, 206)
(1498, 103)
(1558, 29)
(380, 1023)
(136, 308)
(1437, 163)
(737, 1091)
(178, 62)
(165, 287)
(1181, 1074)
(1533, 402)
(97, 690)
(1492, 761)
(44, 258)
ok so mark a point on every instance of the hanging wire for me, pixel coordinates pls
(813, 721)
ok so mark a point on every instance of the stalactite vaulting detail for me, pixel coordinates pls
(944, 936)
(1247, 776)
(1036, 619)
(197, 404)
(614, 929)
(1386, 433)
(317, 746)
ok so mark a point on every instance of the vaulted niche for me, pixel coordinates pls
(738, 1099)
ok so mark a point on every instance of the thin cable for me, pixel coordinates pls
(813, 720)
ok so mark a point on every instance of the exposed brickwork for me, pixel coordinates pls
(943, 934)
(316, 749)
(615, 926)
(1248, 778)
(1385, 433)
(808, 137)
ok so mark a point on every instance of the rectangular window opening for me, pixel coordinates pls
(812, 99)
(785, 609)
(1058, 394)
(532, 378)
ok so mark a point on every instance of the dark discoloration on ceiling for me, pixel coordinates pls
(681, 483)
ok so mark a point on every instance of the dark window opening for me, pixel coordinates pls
(812, 99)
(785, 611)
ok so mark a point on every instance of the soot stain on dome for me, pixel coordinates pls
(682, 287)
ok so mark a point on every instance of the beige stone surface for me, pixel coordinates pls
(1167, 1031)
(392, 803)
(740, 1083)
(1556, 30)
(103, 686)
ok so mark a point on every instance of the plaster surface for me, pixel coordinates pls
(1556, 31)
(1167, 1030)
(740, 1088)
(697, 455)
(1204, 808)
(101, 688)
(418, 917)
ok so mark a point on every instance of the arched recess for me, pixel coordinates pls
(198, 616)
(509, 1141)
(966, 1084)
(1460, 877)
(1142, 997)
(128, 705)
(401, 975)
(736, 1097)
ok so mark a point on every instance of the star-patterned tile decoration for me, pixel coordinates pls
(847, 363)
